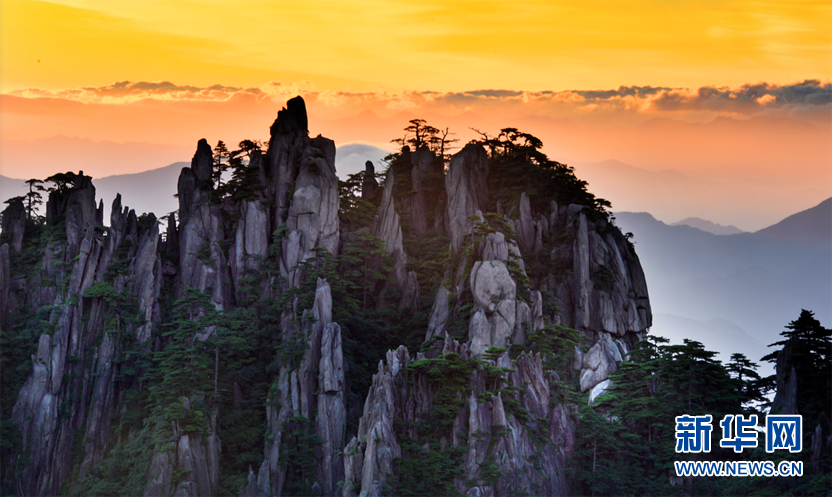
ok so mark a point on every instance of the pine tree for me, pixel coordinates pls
(34, 197)
(809, 351)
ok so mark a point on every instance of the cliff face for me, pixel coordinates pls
(479, 407)
(72, 391)
(512, 436)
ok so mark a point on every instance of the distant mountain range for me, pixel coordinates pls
(670, 195)
(705, 225)
(812, 226)
(150, 191)
(729, 287)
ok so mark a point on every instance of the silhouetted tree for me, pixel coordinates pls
(34, 198)
(808, 348)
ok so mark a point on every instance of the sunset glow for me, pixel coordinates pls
(657, 84)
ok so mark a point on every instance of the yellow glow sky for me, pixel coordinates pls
(425, 45)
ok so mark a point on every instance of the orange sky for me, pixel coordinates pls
(161, 74)
(398, 45)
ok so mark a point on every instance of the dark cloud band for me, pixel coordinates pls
(745, 99)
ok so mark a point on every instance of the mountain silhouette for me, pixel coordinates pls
(708, 226)
(812, 226)
(757, 281)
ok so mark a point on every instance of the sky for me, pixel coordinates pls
(737, 94)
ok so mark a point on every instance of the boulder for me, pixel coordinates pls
(495, 247)
(598, 390)
(599, 362)
(491, 283)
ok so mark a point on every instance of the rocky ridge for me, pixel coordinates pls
(499, 410)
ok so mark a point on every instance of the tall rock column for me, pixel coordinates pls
(14, 222)
(370, 184)
(251, 240)
(289, 137)
(387, 226)
(295, 397)
(467, 188)
(427, 204)
(332, 411)
(310, 211)
(202, 263)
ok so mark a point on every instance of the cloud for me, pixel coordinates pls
(127, 91)
(746, 99)
(805, 97)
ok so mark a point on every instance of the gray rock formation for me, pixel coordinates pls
(314, 207)
(370, 183)
(467, 190)
(76, 205)
(491, 284)
(438, 320)
(251, 241)
(785, 398)
(598, 390)
(387, 227)
(310, 211)
(71, 391)
(596, 280)
(332, 413)
(599, 362)
(498, 318)
(502, 418)
(600, 285)
(404, 391)
(252, 234)
(320, 372)
(197, 458)
(526, 231)
(14, 221)
(289, 137)
(202, 262)
(427, 203)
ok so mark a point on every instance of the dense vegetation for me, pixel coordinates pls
(626, 443)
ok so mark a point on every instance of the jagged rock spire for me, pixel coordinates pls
(370, 184)
(467, 188)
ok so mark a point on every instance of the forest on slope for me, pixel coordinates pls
(469, 323)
